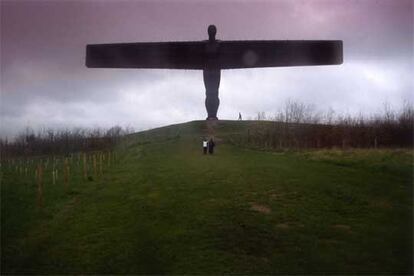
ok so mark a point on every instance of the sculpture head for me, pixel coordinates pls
(212, 30)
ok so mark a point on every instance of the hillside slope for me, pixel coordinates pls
(165, 208)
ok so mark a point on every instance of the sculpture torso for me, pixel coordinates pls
(211, 74)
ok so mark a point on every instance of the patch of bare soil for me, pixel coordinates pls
(329, 242)
(260, 208)
(342, 227)
(283, 226)
(275, 195)
(289, 225)
(381, 203)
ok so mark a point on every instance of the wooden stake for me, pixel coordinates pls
(94, 166)
(66, 173)
(39, 185)
(85, 168)
(100, 164)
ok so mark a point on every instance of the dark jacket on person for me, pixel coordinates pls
(211, 146)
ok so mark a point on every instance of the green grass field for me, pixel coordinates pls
(164, 208)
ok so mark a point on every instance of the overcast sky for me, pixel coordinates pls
(44, 82)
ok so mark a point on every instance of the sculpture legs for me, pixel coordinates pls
(212, 82)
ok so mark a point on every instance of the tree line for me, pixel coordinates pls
(61, 142)
(298, 125)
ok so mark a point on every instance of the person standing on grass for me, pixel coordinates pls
(205, 145)
(211, 145)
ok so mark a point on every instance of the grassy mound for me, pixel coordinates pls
(164, 207)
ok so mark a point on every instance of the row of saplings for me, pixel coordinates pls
(91, 165)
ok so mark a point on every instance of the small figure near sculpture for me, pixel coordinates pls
(211, 146)
(240, 116)
(208, 145)
(205, 145)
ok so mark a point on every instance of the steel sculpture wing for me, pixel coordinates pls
(276, 53)
(162, 55)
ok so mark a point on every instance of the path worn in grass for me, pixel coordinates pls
(166, 208)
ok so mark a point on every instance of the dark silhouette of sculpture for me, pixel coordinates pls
(213, 55)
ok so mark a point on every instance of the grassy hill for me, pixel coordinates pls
(165, 208)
